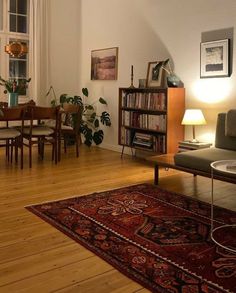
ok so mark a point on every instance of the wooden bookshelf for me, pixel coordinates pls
(150, 118)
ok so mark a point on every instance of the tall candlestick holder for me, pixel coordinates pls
(132, 78)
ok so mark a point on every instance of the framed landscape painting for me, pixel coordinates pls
(104, 64)
(215, 59)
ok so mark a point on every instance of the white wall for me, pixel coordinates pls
(64, 41)
(144, 30)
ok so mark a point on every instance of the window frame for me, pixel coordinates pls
(6, 36)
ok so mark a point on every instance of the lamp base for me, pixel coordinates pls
(194, 140)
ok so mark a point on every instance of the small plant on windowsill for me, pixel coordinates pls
(91, 120)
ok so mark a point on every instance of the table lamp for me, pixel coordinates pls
(193, 117)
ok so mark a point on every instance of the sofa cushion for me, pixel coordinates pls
(223, 141)
(201, 159)
(230, 122)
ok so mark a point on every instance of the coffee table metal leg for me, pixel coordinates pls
(212, 201)
(212, 219)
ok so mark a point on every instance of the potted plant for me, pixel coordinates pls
(14, 88)
(172, 78)
(91, 120)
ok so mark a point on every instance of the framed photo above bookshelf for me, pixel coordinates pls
(150, 119)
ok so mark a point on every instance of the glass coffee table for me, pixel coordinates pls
(229, 167)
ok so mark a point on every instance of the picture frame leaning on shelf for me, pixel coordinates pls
(155, 78)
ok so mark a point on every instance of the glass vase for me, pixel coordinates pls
(12, 99)
(173, 80)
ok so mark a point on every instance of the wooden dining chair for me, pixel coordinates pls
(71, 116)
(28, 103)
(3, 104)
(12, 137)
(38, 133)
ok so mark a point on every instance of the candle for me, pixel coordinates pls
(131, 69)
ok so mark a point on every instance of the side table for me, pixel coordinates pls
(224, 166)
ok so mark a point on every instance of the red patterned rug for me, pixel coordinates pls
(158, 238)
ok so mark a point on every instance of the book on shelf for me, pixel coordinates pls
(194, 145)
(143, 140)
(148, 101)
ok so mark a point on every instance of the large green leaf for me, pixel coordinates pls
(102, 101)
(96, 123)
(78, 100)
(70, 100)
(89, 107)
(85, 91)
(105, 118)
(98, 137)
(63, 98)
(92, 117)
(88, 134)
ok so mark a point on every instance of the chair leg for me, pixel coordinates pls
(64, 137)
(30, 154)
(16, 145)
(21, 153)
(42, 149)
(55, 147)
(11, 147)
(77, 146)
(59, 148)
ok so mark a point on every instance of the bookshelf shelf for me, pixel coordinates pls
(150, 118)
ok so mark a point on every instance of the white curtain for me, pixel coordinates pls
(39, 50)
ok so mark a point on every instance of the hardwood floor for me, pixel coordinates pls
(35, 257)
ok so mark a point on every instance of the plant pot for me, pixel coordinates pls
(12, 99)
(173, 80)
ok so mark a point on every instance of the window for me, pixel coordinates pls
(18, 16)
(18, 67)
(14, 16)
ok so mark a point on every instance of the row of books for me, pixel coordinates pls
(144, 121)
(155, 143)
(147, 101)
(143, 140)
(125, 136)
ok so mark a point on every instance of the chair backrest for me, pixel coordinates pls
(12, 114)
(221, 140)
(3, 104)
(29, 103)
(40, 113)
(73, 114)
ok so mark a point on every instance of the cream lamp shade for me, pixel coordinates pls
(193, 117)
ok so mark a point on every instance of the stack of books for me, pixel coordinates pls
(189, 145)
(143, 140)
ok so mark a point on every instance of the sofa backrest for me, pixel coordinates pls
(221, 140)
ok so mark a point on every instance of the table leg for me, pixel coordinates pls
(156, 174)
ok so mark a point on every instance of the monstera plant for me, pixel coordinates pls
(91, 120)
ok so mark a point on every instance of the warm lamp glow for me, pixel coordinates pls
(193, 117)
(212, 90)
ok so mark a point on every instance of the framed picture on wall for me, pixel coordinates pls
(104, 64)
(214, 59)
(154, 75)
